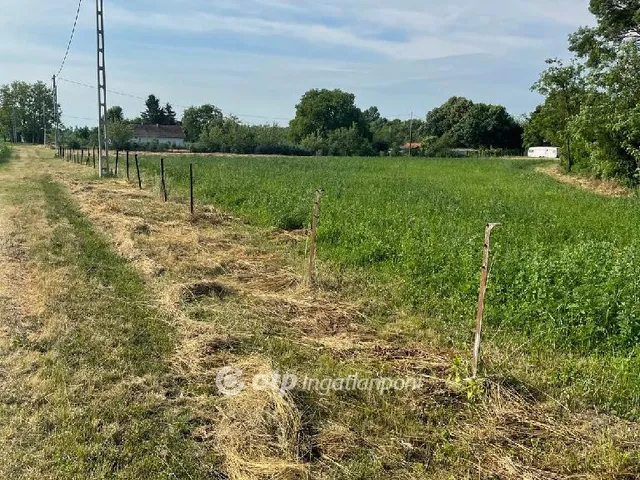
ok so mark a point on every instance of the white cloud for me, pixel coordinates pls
(411, 54)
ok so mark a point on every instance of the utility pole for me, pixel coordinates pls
(13, 119)
(44, 122)
(411, 136)
(55, 110)
(103, 136)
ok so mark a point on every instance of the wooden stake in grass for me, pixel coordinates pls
(128, 178)
(117, 158)
(314, 237)
(138, 170)
(483, 290)
(191, 197)
(162, 180)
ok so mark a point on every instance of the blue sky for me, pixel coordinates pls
(255, 58)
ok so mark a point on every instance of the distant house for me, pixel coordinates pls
(164, 134)
(411, 146)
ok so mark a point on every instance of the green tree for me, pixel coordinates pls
(346, 142)
(198, 119)
(488, 126)
(115, 114)
(618, 23)
(536, 132)
(32, 107)
(154, 114)
(323, 111)
(444, 118)
(169, 117)
(372, 114)
(120, 134)
(564, 88)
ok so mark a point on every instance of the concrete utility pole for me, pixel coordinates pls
(13, 119)
(103, 136)
(55, 110)
(411, 135)
(44, 122)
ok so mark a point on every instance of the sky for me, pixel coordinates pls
(256, 58)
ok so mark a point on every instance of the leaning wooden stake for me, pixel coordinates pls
(483, 291)
(314, 237)
(191, 197)
(164, 183)
(138, 170)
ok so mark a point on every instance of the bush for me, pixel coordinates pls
(343, 142)
(5, 152)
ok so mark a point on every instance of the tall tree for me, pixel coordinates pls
(323, 111)
(169, 115)
(198, 119)
(154, 114)
(564, 86)
(115, 114)
(371, 114)
(31, 106)
(444, 118)
(618, 22)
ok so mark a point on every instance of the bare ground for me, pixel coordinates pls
(237, 296)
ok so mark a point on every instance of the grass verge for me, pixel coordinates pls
(89, 393)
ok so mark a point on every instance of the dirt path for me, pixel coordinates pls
(607, 188)
(234, 296)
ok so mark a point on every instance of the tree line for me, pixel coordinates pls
(592, 103)
(327, 122)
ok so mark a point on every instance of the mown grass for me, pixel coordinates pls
(101, 402)
(565, 271)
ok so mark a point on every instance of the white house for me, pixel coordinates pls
(164, 134)
(543, 152)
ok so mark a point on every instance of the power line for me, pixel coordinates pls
(77, 118)
(73, 32)
(93, 87)
(136, 97)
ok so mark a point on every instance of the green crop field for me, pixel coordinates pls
(566, 262)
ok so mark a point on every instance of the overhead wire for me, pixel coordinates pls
(73, 32)
(137, 97)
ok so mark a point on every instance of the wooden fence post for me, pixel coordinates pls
(191, 199)
(314, 237)
(128, 178)
(117, 158)
(138, 170)
(162, 179)
(483, 290)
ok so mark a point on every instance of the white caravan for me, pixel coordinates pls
(543, 152)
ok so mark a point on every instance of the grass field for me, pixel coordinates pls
(566, 261)
(118, 312)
